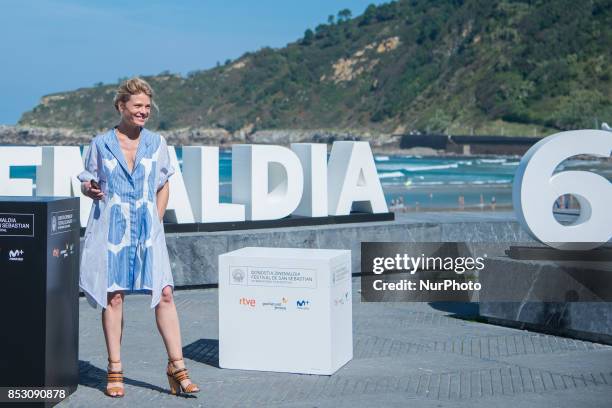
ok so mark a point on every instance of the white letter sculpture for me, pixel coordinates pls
(535, 190)
(56, 176)
(268, 180)
(313, 157)
(17, 156)
(201, 175)
(352, 178)
(179, 207)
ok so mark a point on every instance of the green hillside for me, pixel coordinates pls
(430, 65)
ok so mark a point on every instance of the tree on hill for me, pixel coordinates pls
(369, 15)
(308, 37)
(344, 15)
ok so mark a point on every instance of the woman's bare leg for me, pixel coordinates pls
(112, 324)
(169, 328)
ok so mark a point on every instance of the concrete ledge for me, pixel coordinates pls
(545, 297)
(590, 321)
(194, 259)
(193, 256)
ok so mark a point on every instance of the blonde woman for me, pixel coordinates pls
(126, 174)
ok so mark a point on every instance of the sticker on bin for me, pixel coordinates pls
(273, 276)
(16, 225)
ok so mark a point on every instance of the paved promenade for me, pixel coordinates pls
(405, 355)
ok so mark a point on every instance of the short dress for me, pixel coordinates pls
(125, 247)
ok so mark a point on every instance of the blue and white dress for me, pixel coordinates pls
(125, 246)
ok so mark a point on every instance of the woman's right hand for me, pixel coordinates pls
(90, 191)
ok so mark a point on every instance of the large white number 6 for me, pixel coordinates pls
(535, 190)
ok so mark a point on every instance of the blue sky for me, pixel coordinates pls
(50, 46)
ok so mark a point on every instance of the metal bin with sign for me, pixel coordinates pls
(39, 265)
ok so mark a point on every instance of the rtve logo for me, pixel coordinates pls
(247, 302)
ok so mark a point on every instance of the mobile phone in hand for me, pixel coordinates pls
(94, 184)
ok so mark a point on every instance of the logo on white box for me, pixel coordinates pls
(303, 304)
(282, 305)
(340, 273)
(247, 302)
(237, 276)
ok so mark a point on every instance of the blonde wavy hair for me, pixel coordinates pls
(133, 86)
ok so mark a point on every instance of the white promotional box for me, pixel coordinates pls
(285, 309)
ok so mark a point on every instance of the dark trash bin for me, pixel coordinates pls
(39, 268)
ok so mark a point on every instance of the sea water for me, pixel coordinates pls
(424, 182)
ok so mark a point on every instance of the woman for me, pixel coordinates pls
(126, 174)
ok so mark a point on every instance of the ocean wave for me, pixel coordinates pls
(416, 183)
(432, 167)
(429, 183)
(580, 163)
(393, 174)
(492, 160)
(392, 183)
(499, 181)
(390, 167)
(510, 164)
(381, 158)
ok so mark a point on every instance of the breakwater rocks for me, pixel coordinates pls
(285, 137)
(39, 136)
(35, 136)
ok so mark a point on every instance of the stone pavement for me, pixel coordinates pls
(405, 354)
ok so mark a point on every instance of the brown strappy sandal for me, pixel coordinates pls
(175, 377)
(114, 377)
